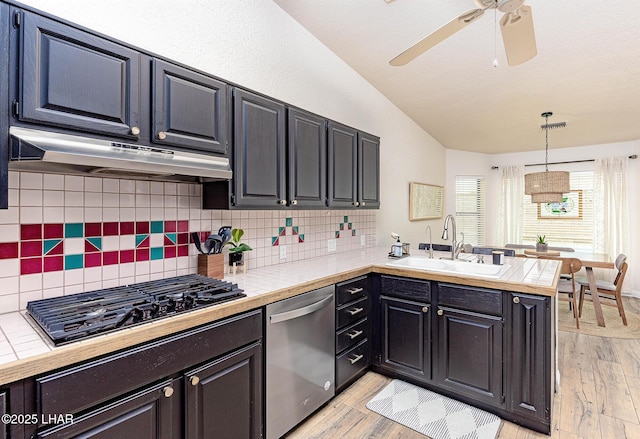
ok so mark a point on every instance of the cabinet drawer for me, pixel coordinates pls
(415, 289)
(352, 334)
(351, 290)
(480, 300)
(352, 361)
(89, 384)
(351, 312)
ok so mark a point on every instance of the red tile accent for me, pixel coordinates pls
(30, 265)
(110, 258)
(57, 250)
(90, 248)
(142, 227)
(92, 229)
(167, 241)
(110, 229)
(30, 231)
(170, 226)
(30, 248)
(183, 238)
(142, 254)
(92, 260)
(127, 256)
(145, 243)
(183, 226)
(53, 231)
(8, 250)
(170, 251)
(183, 250)
(127, 228)
(53, 263)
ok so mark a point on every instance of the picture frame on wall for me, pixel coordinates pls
(569, 208)
(425, 201)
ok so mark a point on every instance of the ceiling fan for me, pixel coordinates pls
(516, 25)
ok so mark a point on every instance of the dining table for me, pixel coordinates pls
(589, 262)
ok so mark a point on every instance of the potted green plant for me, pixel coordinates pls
(238, 248)
(541, 243)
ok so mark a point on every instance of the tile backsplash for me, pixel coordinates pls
(64, 234)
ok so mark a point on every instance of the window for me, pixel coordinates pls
(470, 209)
(563, 231)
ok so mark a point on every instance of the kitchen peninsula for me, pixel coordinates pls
(518, 307)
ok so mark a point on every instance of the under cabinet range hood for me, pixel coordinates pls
(45, 151)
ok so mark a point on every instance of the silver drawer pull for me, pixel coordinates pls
(353, 291)
(355, 311)
(354, 334)
(355, 360)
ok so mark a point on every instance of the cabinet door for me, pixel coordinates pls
(4, 101)
(368, 171)
(343, 165)
(4, 403)
(406, 337)
(470, 354)
(224, 398)
(307, 159)
(259, 178)
(189, 109)
(530, 357)
(151, 413)
(72, 79)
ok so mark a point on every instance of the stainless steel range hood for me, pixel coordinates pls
(44, 151)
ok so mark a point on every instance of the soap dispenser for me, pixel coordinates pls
(396, 248)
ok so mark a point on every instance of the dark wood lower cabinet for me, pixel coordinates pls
(224, 397)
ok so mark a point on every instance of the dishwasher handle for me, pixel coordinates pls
(294, 314)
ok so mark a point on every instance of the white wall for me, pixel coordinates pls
(256, 44)
(466, 163)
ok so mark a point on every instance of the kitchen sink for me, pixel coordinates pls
(458, 267)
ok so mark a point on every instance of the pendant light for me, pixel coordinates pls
(547, 186)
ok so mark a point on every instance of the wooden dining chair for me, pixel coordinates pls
(570, 266)
(611, 292)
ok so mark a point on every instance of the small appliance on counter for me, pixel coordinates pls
(398, 249)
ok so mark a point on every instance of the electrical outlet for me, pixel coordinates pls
(363, 240)
(331, 245)
(283, 252)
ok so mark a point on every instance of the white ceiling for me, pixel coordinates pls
(587, 71)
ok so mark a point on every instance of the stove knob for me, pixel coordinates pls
(167, 391)
(194, 380)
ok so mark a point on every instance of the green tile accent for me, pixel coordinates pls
(353, 232)
(49, 244)
(274, 240)
(295, 230)
(74, 230)
(173, 237)
(157, 226)
(346, 219)
(157, 253)
(301, 237)
(337, 233)
(140, 238)
(350, 225)
(289, 222)
(282, 231)
(71, 262)
(97, 242)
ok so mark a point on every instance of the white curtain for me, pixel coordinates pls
(509, 221)
(610, 200)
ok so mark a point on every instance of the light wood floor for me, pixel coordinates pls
(599, 397)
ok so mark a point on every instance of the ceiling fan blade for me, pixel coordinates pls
(436, 37)
(518, 35)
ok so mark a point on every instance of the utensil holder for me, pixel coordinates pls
(211, 265)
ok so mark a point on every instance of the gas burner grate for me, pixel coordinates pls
(79, 316)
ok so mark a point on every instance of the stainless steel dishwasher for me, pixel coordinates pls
(300, 358)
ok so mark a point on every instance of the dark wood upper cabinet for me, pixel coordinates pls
(307, 150)
(354, 168)
(4, 103)
(188, 109)
(76, 80)
(259, 154)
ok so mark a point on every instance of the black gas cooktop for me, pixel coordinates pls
(78, 316)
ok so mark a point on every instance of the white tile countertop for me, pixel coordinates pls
(25, 352)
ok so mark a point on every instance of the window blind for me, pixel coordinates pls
(470, 207)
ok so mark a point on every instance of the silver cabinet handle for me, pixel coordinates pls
(516, 300)
(355, 311)
(294, 202)
(356, 359)
(194, 380)
(362, 203)
(354, 334)
(135, 131)
(425, 309)
(353, 291)
(355, 203)
(282, 202)
(167, 392)
(162, 135)
(440, 312)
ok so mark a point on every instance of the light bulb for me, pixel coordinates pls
(495, 62)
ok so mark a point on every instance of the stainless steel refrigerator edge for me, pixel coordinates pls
(300, 358)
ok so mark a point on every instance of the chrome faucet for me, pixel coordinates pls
(456, 247)
(428, 229)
